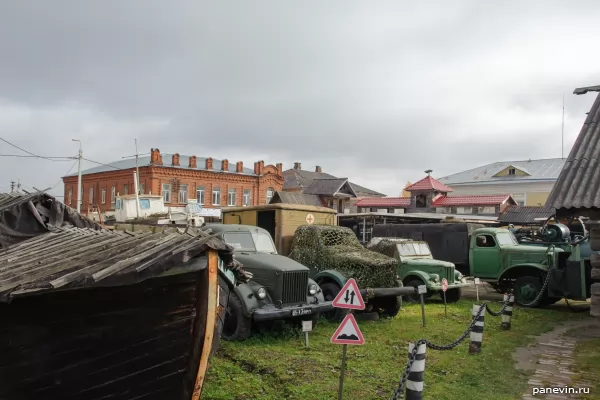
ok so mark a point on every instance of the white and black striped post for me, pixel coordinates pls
(477, 330)
(416, 376)
(507, 315)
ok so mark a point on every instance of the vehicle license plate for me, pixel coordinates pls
(301, 311)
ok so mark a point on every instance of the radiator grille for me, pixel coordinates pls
(295, 286)
(449, 274)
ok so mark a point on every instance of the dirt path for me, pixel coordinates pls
(551, 358)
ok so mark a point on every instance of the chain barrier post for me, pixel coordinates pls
(416, 376)
(507, 315)
(477, 331)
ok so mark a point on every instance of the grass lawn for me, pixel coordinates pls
(277, 366)
(587, 358)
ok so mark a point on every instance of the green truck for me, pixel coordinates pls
(416, 266)
(280, 288)
(539, 274)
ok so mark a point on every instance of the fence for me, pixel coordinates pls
(413, 377)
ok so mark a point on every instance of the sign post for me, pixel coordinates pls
(306, 327)
(444, 288)
(477, 283)
(422, 291)
(348, 332)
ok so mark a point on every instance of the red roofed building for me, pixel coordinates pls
(431, 196)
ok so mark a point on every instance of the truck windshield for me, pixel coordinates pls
(507, 238)
(264, 243)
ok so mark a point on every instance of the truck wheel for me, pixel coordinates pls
(527, 289)
(412, 298)
(237, 326)
(330, 290)
(390, 306)
(452, 295)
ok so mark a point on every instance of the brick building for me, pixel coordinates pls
(214, 183)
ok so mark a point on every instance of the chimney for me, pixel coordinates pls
(279, 168)
(193, 162)
(297, 165)
(155, 157)
(225, 165)
(256, 168)
(239, 167)
(261, 167)
(209, 163)
(318, 169)
(175, 160)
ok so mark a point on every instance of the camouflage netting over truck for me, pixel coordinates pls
(385, 246)
(325, 247)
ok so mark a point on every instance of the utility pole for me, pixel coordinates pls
(562, 147)
(137, 177)
(12, 186)
(79, 191)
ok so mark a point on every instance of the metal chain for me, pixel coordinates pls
(399, 393)
(463, 336)
(548, 275)
(497, 314)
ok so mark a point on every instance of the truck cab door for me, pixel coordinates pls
(485, 259)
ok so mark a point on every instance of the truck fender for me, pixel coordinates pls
(246, 292)
(512, 271)
(424, 276)
(330, 275)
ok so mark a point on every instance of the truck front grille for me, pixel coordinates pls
(449, 274)
(295, 287)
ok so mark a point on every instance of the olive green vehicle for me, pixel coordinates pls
(416, 266)
(280, 288)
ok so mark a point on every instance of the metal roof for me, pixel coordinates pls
(70, 257)
(432, 216)
(428, 183)
(525, 214)
(8, 200)
(471, 200)
(384, 202)
(327, 186)
(184, 162)
(296, 198)
(578, 185)
(538, 170)
(299, 179)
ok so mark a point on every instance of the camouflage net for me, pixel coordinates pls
(385, 246)
(340, 250)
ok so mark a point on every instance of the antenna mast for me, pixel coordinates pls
(562, 147)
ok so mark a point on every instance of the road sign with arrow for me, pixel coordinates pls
(349, 297)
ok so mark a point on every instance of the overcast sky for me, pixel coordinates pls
(377, 91)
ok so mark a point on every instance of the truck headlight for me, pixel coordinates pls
(261, 293)
(312, 289)
(435, 277)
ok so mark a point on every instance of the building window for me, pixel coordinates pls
(125, 189)
(166, 192)
(464, 210)
(270, 193)
(103, 196)
(487, 210)
(200, 194)
(216, 196)
(246, 197)
(231, 197)
(183, 194)
(70, 196)
(113, 195)
(512, 171)
(91, 195)
(142, 188)
(421, 200)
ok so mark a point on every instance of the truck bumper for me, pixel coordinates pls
(270, 312)
(386, 292)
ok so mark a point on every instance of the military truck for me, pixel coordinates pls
(279, 289)
(496, 256)
(416, 266)
(309, 235)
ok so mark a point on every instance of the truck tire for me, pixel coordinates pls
(237, 326)
(452, 295)
(527, 289)
(330, 290)
(389, 306)
(413, 298)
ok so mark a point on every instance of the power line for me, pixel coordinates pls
(107, 165)
(24, 156)
(68, 172)
(25, 151)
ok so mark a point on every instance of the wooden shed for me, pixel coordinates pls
(280, 220)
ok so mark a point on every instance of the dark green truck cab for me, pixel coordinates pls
(280, 287)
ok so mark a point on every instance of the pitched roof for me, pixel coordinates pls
(525, 214)
(327, 186)
(72, 257)
(476, 200)
(428, 183)
(296, 198)
(384, 202)
(538, 170)
(299, 179)
(578, 185)
(184, 161)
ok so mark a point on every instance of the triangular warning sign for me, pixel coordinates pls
(348, 332)
(349, 297)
